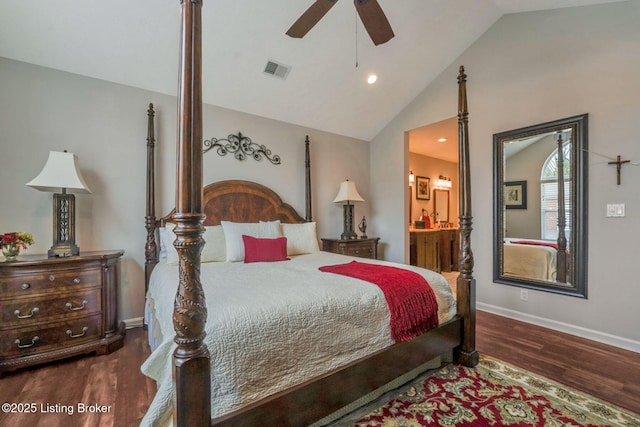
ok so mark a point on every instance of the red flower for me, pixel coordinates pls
(8, 238)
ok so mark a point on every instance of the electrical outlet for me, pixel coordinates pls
(615, 210)
(524, 294)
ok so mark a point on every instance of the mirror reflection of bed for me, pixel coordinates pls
(531, 228)
(530, 259)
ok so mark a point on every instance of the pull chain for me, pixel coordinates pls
(356, 31)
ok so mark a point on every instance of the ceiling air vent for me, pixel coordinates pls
(278, 70)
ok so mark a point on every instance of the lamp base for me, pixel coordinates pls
(63, 251)
(348, 233)
(347, 236)
(64, 226)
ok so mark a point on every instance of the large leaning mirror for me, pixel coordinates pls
(540, 211)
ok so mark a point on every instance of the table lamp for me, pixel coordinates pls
(348, 193)
(61, 173)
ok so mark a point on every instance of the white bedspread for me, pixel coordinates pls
(273, 325)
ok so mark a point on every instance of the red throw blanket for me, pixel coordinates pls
(412, 303)
(536, 243)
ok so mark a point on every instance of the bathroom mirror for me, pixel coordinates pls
(540, 207)
(441, 205)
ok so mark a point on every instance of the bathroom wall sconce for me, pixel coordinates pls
(443, 182)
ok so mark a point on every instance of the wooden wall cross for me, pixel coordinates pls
(619, 164)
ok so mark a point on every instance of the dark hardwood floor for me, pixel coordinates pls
(115, 380)
(609, 373)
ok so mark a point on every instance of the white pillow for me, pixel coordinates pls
(301, 238)
(163, 242)
(214, 249)
(233, 232)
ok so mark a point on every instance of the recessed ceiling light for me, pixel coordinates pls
(372, 79)
(442, 139)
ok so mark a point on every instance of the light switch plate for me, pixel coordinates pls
(615, 210)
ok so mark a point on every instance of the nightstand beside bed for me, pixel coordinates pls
(54, 308)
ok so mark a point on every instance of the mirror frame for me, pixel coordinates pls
(579, 165)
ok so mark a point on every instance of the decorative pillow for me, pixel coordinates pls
(214, 249)
(301, 238)
(233, 232)
(264, 250)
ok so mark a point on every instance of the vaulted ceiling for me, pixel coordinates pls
(135, 43)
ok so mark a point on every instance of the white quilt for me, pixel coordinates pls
(273, 325)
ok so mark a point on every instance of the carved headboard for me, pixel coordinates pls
(242, 201)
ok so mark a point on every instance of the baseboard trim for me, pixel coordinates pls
(136, 322)
(579, 331)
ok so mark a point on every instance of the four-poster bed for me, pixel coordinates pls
(199, 208)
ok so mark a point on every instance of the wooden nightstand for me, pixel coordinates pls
(364, 248)
(53, 308)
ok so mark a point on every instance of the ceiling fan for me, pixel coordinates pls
(371, 15)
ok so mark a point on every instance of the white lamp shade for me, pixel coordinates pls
(348, 193)
(60, 171)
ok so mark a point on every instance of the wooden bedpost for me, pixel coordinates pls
(561, 256)
(466, 285)
(307, 174)
(191, 368)
(150, 249)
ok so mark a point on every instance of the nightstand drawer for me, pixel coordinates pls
(48, 280)
(364, 248)
(41, 338)
(25, 311)
(365, 251)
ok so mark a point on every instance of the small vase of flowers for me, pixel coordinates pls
(13, 242)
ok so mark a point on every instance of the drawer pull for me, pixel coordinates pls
(52, 278)
(34, 310)
(34, 340)
(76, 280)
(25, 286)
(84, 331)
(72, 308)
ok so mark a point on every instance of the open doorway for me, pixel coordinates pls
(433, 195)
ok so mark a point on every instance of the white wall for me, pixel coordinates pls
(105, 125)
(531, 68)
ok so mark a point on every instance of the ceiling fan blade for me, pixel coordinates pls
(374, 21)
(310, 18)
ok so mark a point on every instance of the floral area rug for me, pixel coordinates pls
(493, 393)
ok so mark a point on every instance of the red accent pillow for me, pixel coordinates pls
(264, 250)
